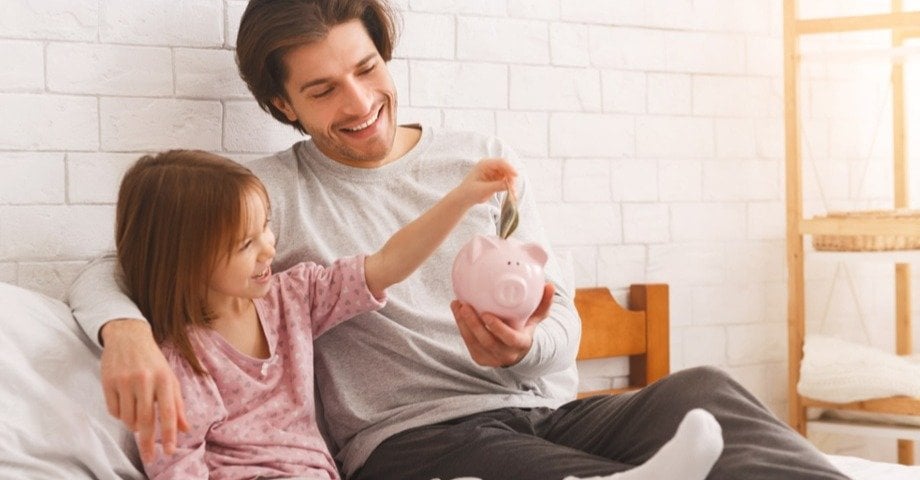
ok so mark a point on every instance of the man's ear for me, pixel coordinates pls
(285, 108)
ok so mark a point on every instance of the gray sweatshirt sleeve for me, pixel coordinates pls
(98, 296)
(557, 337)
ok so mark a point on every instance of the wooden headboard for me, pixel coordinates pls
(640, 331)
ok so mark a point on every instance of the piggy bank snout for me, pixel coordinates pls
(510, 290)
(503, 277)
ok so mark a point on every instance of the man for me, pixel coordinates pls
(419, 390)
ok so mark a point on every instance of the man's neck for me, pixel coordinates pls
(407, 136)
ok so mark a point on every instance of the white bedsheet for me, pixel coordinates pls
(862, 469)
(856, 468)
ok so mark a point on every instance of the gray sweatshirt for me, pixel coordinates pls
(405, 365)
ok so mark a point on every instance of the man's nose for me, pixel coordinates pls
(358, 98)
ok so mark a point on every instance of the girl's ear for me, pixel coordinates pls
(285, 108)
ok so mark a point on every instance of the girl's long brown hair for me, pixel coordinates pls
(179, 213)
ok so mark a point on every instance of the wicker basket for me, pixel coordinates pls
(869, 243)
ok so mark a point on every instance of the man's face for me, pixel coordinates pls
(341, 93)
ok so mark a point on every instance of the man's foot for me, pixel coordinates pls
(688, 455)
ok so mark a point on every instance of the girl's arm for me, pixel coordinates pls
(408, 248)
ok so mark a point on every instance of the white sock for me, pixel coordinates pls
(688, 455)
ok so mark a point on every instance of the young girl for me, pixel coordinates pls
(195, 244)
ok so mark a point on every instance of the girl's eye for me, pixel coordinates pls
(246, 245)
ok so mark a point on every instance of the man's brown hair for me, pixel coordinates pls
(271, 28)
(178, 214)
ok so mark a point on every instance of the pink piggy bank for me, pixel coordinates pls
(503, 277)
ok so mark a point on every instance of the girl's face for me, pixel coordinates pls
(246, 272)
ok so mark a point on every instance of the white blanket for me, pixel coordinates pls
(53, 422)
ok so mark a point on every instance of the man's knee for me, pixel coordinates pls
(705, 380)
(706, 375)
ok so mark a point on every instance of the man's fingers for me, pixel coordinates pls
(111, 401)
(144, 414)
(182, 422)
(462, 314)
(126, 409)
(483, 336)
(145, 419)
(146, 441)
(474, 327)
(465, 333)
(504, 333)
(167, 410)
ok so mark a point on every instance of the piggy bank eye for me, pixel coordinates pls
(517, 263)
(509, 262)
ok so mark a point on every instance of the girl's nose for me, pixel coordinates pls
(268, 246)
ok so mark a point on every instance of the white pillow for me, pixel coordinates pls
(54, 423)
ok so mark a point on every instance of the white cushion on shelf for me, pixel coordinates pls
(835, 370)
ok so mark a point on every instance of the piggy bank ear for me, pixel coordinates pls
(536, 253)
(480, 244)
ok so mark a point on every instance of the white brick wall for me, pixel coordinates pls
(32, 178)
(29, 76)
(651, 131)
(96, 69)
(45, 121)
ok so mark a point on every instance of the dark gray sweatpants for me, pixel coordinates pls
(602, 435)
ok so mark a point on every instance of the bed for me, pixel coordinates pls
(54, 423)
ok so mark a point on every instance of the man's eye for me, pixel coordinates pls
(322, 94)
(368, 69)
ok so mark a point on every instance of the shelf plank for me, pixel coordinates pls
(890, 257)
(896, 405)
(907, 20)
(860, 226)
(896, 56)
(897, 432)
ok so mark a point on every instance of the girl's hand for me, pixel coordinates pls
(488, 177)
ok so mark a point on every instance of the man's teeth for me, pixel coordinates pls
(365, 124)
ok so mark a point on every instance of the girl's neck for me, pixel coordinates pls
(230, 307)
(237, 322)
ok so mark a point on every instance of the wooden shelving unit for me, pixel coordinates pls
(902, 25)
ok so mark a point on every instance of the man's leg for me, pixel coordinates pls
(577, 438)
(495, 445)
(632, 427)
(688, 455)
